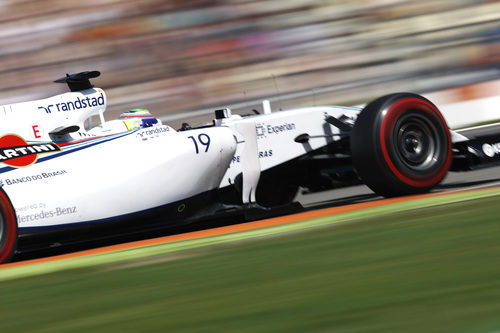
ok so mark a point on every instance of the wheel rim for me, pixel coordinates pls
(417, 144)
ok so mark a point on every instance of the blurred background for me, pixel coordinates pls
(185, 58)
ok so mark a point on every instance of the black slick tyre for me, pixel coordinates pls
(401, 145)
(8, 228)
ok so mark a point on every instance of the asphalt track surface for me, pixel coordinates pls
(313, 202)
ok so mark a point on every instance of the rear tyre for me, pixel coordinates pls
(8, 228)
(401, 145)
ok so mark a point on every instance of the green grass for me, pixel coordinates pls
(431, 270)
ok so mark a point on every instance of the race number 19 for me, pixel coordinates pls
(203, 139)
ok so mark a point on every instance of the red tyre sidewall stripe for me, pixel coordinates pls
(10, 226)
(386, 126)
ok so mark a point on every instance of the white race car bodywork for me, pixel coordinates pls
(109, 171)
(92, 177)
(116, 176)
(35, 120)
(277, 131)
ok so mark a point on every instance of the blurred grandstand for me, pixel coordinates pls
(173, 56)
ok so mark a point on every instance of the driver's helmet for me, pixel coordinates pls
(138, 118)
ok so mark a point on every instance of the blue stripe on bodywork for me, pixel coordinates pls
(71, 148)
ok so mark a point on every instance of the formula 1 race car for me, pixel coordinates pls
(60, 170)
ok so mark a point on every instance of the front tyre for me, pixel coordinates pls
(401, 145)
(8, 228)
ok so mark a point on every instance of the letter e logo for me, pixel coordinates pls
(37, 131)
